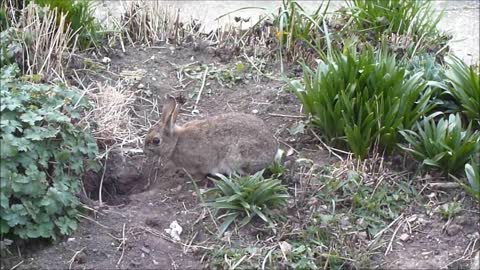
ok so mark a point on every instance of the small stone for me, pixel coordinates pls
(155, 262)
(154, 79)
(71, 239)
(254, 111)
(143, 255)
(453, 229)
(146, 250)
(81, 258)
(141, 86)
(94, 250)
(362, 235)
(106, 60)
(135, 262)
(404, 237)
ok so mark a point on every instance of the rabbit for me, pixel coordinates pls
(231, 143)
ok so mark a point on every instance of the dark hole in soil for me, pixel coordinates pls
(123, 176)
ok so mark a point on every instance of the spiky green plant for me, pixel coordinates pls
(358, 100)
(463, 83)
(246, 197)
(445, 145)
(406, 17)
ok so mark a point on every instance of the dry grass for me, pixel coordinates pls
(112, 114)
(150, 21)
(45, 38)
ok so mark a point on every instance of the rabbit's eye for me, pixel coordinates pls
(156, 140)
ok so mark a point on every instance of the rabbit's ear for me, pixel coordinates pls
(169, 114)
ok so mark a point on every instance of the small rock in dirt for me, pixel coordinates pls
(175, 230)
(146, 250)
(141, 86)
(462, 220)
(94, 250)
(81, 258)
(135, 262)
(362, 235)
(71, 239)
(155, 262)
(152, 222)
(143, 255)
(254, 111)
(106, 60)
(453, 229)
(404, 237)
(285, 247)
(154, 79)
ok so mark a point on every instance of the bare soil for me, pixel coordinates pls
(130, 231)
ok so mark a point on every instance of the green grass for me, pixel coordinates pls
(406, 17)
(445, 145)
(245, 198)
(359, 100)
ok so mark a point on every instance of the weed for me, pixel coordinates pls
(246, 197)
(359, 100)
(445, 145)
(44, 152)
(472, 175)
(450, 210)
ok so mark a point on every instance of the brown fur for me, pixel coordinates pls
(227, 143)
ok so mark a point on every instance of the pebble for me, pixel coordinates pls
(254, 111)
(141, 86)
(453, 229)
(404, 237)
(146, 250)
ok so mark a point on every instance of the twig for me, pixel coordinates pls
(201, 88)
(94, 221)
(389, 247)
(330, 149)
(122, 244)
(287, 116)
(103, 177)
(389, 225)
(16, 265)
(72, 260)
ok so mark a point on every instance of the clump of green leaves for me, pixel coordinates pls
(472, 171)
(445, 145)
(358, 100)
(44, 153)
(246, 197)
(415, 18)
(463, 83)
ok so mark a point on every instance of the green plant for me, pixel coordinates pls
(247, 197)
(446, 145)
(360, 100)
(79, 15)
(463, 83)
(450, 210)
(472, 173)
(406, 17)
(45, 149)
